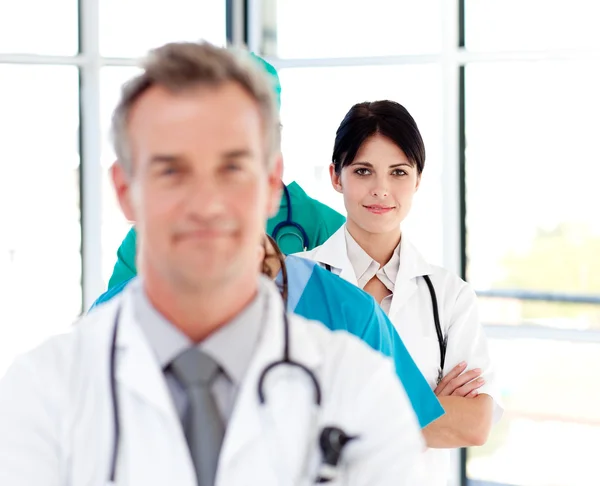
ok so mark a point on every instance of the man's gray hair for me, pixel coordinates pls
(179, 67)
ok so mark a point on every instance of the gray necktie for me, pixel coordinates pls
(202, 422)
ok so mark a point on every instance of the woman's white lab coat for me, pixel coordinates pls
(411, 312)
(56, 418)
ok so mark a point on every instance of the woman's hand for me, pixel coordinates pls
(459, 383)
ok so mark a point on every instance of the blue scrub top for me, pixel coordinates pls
(317, 294)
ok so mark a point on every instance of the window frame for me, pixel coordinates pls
(453, 58)
(244, 26)
(89, 63)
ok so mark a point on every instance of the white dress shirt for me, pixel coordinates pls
(231, 346)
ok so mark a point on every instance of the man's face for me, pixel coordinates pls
(202, 188)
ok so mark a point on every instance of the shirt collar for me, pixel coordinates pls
(365, 268)
(165, 339)
(232, 345)
(391, 268)
(359, 259)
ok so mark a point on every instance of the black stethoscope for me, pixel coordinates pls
(288, 222)
(328, 446)
(442, 340)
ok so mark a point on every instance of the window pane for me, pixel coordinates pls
(129, 28)
(563, 315)
(342, 28)
(314, 102)
(531, 180)
(40, 259)
(496, 25)
(39, 27)
(114, 225)
(549, 432)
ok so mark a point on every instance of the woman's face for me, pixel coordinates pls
(378, 186)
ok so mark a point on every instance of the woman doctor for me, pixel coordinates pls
(377, 164)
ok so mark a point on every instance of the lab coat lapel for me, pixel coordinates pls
(334, 252)
(412, 266)
(268, 441)
(137, 367)
(147, 411)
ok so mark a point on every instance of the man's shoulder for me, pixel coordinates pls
(62, 356)
(339, 349)
(87, 328)
(359, 385)
(329, 219)
(314, 208)
(327, 211)
(125, 267)
(110, 293)
(130, 240)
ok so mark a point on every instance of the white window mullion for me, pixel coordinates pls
(256, 10)
(91, 197)
(238, 14)
(42, 59)
(451, 111)
(451, 177)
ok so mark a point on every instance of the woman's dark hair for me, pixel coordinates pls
(386, 118)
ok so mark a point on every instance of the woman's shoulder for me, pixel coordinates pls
(417, 265)
(448, 282)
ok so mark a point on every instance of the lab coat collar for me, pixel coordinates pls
(138, 368)
(334, 252)
(412, 263)
(412, 266)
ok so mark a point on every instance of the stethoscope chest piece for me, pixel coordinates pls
(289, 223)
(331, 442)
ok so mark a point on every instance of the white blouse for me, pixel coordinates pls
(365, 268)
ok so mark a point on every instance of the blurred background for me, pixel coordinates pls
(506, 93)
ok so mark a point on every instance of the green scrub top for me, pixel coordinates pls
(318, 220)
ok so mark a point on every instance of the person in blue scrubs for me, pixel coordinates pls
(317, 294)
